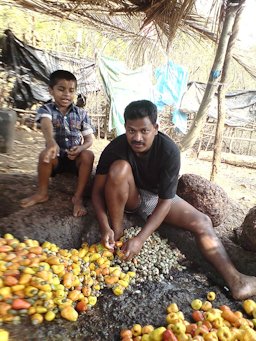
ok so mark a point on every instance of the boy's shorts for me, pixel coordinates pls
(65, 165)
(148, 203)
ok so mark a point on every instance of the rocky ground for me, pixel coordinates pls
(144, 303)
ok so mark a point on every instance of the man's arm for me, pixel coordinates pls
(98, 201)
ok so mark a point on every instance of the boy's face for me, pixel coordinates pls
(63, 93)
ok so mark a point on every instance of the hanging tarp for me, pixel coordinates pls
(33, 66)
(123, 86)
(171, 83)
(240, 105)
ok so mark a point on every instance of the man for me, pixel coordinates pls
(138, 172)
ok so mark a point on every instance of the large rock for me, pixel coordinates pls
(248, 230)
(205, 196)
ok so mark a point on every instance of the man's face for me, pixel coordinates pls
(140, 134)
(63, 93)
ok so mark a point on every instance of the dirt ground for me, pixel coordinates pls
(238, 182)
(145, 303)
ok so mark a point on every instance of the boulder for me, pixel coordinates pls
(205, 196)
(248, 230)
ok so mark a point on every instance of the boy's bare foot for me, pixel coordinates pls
(79, 209)
(244, 287)
(33, 199)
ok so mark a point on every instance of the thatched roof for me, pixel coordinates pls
(143, 20)
(127, 17)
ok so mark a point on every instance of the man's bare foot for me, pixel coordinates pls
(33, 199)
(79, 209)
(244, 287)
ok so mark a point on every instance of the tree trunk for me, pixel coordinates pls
(213, 80)
(222, 93)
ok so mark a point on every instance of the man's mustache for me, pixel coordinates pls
(137, 143)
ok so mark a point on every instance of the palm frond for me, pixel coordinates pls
(117, 16)
(146, 23)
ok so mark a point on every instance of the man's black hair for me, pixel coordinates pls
(140, 109)
(61, 74)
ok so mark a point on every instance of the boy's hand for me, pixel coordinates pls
(74, 152)
(51, 152)
(131, 248)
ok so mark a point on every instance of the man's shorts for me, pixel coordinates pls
(148, 203)
(65, 165)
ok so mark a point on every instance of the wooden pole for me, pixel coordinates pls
(33, 37)
(213, 81)
(222, 93)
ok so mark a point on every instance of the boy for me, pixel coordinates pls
(68, 135)
(138, 172)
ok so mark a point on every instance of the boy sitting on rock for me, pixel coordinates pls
(68, 135)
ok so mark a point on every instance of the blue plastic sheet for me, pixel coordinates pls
(171, 84)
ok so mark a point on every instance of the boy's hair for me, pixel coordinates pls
(61, 74)
(140, 109)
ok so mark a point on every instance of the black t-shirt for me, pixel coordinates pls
(156, 171)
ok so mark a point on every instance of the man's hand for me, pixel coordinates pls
(131, 248)
(51, 152)
(74, 152)
(108, 240)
